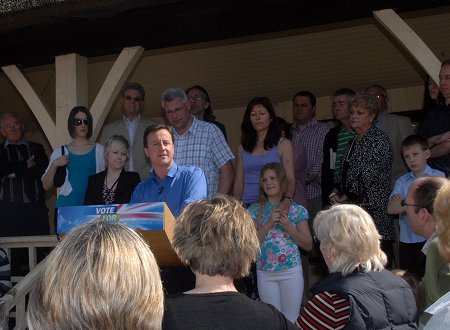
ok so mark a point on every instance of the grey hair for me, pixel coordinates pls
(171, 94)
(135, 86)
(9, 114)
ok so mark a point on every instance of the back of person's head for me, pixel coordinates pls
(426, 190)
(442, 216)
(353, 237)
(216, 237)
(101, 276)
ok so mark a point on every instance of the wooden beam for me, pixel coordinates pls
(71, 90)
(31, 97)
(117, 76)
(410, 40)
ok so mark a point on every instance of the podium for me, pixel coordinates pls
(153, 221)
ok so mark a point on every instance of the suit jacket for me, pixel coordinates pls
(330, 144)
(140, 162)
(125, 187)
(397, 128)
(30, 178)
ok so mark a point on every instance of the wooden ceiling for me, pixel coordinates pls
(100, 27)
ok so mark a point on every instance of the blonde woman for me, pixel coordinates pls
(101, 276)
(358, 293)
(217, 239)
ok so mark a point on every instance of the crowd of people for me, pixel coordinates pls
(355, 178)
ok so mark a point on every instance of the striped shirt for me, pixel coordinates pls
(203, 145)
(325, 311)
(311, 136)
(343, 137)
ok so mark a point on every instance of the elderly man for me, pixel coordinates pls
(396, 127)
(198, 143)
(168, 182)
(132, 126)
(22, 204)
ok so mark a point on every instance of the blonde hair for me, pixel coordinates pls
(101, 276)
(442, 216)
(352, 234)
(216, 236)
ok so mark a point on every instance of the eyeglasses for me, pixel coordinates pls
(79, 121)
(403, 204)
(13, 125)
(194, 99)
(131, 98)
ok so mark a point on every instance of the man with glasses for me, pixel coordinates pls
(396, 127)
(419, 206)
(419, 203)
(201, 107)
(22, 204)
(198, 143)
(132, 126)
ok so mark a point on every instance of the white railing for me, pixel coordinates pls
(17, 295)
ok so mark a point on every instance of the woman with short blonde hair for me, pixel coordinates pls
(216, 237)
(358, 293)
(101, 276)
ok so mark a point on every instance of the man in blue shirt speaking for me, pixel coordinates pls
(168, 182)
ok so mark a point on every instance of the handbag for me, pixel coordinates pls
(60, 174)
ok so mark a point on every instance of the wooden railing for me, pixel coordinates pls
(16, 297)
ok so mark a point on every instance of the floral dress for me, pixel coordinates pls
(279, 251)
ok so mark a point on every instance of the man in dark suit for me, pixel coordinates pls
(396, 127)
(22, 164)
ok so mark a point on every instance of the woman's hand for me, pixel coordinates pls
(61, 161)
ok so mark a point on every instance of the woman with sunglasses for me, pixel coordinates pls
(82, 157)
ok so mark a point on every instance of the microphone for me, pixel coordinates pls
(160, 190)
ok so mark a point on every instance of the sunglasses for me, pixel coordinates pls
(79, 121)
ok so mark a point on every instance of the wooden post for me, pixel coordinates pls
(410, 41)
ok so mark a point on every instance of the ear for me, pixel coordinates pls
(206, 106)
(427, 153)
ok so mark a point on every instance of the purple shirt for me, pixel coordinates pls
(252, 168)
(311, 136)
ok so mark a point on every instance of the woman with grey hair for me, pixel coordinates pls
(114, 185)
(358, 293)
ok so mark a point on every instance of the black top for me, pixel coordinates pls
(26, 186)
(125, 187)
(222, 310)
(437, 122)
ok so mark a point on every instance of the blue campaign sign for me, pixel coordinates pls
(139, 216)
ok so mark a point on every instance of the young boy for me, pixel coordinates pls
(415, 152)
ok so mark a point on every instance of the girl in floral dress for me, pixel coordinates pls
(279, 269)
